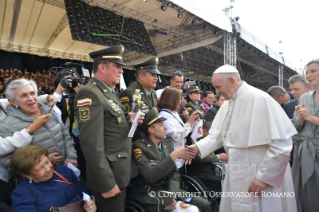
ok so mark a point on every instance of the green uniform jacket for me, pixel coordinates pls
(157, 173)
(104, 128)
(146, 103)
(193, 106)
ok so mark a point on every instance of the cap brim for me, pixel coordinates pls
(198, 91)
(153, 71)
(160, 119)
(118, 61)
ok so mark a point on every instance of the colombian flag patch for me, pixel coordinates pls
(124, 99)
(84, 102)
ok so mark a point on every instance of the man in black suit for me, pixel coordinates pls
(297, 86)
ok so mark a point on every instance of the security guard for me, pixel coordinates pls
(193, 96)
(154, 157)
(146, 78)
(104, 128)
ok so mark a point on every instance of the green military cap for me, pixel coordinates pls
(113, 53)
(149, 65)
(193, 89)
(184, 95)
(150, 118)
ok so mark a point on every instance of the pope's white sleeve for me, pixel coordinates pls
(273, 166)
(17, 140)
(208, 145)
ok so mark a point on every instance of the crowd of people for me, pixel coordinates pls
(88, 127)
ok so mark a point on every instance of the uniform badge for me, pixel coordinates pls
(84, 113)
(83, 102)
(138, 155)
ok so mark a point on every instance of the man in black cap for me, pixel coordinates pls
(154, 157)
(146, 78)
(193, 96)
(104, 128)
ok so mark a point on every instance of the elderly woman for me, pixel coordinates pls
(305, 168)
(24, 109)
(44, 186)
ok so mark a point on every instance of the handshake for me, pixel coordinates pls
(187, 154)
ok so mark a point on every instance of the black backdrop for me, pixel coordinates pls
(36, 63)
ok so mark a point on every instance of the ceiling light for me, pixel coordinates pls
(180, 15)
(205, 26)
(163, 7)
(194, 21)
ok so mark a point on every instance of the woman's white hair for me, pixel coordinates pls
(18, 83)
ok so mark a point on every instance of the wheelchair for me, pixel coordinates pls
(132, 205)
(204, 185)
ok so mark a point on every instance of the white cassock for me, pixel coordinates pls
(256, 134)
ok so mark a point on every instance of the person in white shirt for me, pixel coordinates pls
(176, 80)
(176, 129)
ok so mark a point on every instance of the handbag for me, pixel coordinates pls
(73, 207)
(77, 206)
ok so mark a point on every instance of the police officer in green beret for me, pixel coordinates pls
(193, 96)
(146, 78)
(104, 128)
(154, 157)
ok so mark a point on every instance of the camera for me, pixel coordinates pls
(72, 69)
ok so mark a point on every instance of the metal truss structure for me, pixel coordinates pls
(174, 43)
(43, 52)
(230, 50)
(128, 12)
(55, 3)
(280, 75)
(63, 23)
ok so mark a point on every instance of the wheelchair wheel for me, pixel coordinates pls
(193, 184)
(134, 206)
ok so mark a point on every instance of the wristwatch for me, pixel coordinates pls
(28, 131)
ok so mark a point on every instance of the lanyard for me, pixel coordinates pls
(68, 109)
(64, 180)
(173, 116)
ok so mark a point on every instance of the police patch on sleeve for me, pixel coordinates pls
(84, 113)
(138, 155)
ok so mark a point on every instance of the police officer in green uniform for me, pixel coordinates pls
(104, 128)
(154, 157)
(146, 78)
(193, 96)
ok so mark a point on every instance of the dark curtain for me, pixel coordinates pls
(33, 63)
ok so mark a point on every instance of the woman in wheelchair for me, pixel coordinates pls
(44, 186)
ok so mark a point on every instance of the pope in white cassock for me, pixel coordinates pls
(256, 134)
